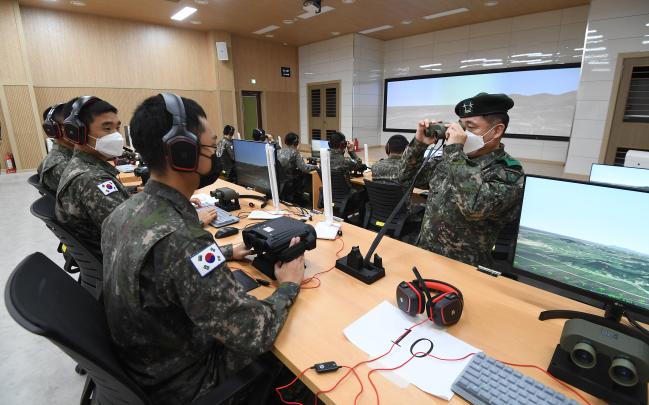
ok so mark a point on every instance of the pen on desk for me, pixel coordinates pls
(488, 271)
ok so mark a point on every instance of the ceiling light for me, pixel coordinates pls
(284, 43)
(601, 48)
(78, 3)
(348, 1)
(491, 3)
(266, 30)
(253, 81)
(269, 36)
(201, 1)
(446, 13)
(288, 21)
(594, 36)
(406, 22)
(375, 29)
(430, 65)
(195, 22)
(310, 14)
(184, 13)
(335, 33)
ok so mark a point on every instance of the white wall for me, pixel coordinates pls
(326, 61)
(623, 25)
(368, 89)
(555, 33)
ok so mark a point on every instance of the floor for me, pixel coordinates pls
(32, 370)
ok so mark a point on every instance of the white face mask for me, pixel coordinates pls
(110, 145)
(473, 141)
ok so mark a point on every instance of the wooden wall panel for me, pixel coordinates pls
(281, 113)
(4, 140)
(96, 51)
(227, 104)
(262, 60)
(29, 138)
(12, 70)
(126, 100)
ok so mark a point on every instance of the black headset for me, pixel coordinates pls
(73, 128)
(180, 146)
(228, 130)
(52, 128)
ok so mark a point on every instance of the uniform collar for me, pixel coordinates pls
(394, 157)
(491, 156)
(175, 197)
(336, 152)
(62, 149)
(94, 160)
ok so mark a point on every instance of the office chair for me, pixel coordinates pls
(90, 267)
(347, 202)
(49, 303)
(34, 180)
(383, 198)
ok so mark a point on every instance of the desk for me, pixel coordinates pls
(360, 181)
(500, 315)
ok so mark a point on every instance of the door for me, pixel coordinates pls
(324, 110)
(251, 108)
(630, 125)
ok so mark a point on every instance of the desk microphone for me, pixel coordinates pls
(363, 268)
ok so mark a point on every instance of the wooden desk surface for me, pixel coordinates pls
(500, 315)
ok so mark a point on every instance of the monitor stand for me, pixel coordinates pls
(596, 381)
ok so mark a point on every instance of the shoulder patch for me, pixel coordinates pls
(510, 162)
(107, 187)
(207, 259)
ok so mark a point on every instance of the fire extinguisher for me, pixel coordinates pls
(356, 148)
(10, 164)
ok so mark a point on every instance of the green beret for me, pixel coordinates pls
(484, 104)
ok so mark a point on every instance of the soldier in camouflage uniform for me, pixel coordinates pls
(387, 170)
(50, 169)
(338, 161)
(475, 186)
(179, 321)
(291, 159)
(225, 151)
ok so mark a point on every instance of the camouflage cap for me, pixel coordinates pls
(484, 104)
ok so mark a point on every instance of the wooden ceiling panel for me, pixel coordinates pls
(243, 17)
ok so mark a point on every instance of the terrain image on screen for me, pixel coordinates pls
(251, 165)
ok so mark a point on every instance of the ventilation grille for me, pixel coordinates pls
(316, 134)
(637, 104)
(316, 108)
(329, 133)
(332, 101)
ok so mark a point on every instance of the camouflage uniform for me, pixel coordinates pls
(179, 333)
(225, 151)
(88, 192)
(338, 161)
(52, 167)
(292, 161)
(470, 200)
(387, 170)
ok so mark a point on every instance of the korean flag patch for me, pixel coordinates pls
(207, 259)
(107, 187)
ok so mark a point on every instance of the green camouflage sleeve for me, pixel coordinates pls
(221, 308)
(301, 164)
(410, 162)
(227, 251)
(480, 196)
(353, 162)
(98, 205)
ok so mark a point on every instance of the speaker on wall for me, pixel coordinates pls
(222, 50)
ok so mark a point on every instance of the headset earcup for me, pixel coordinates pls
(182, 151)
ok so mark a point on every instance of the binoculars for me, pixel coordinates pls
(438, 130)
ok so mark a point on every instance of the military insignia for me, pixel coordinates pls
(468, 108)
(207, 259)
(107, 187)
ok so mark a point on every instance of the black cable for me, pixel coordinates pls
(396, 209)
(635, 323)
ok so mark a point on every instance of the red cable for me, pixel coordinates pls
(315, 276)
(281, 398)
(317, 394)
(369, 375)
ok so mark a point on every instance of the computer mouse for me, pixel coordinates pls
(225, 232)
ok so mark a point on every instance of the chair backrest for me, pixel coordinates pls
(383, 198)
(46, 301)
(340, 188)
(90, 267)
(34, 180)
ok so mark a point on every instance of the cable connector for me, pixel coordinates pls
(326, 367)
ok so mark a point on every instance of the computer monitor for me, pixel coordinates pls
(251, 165)
(587, 241)
(635, 177)
(316, 145)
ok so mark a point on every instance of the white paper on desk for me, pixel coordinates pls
(205, 199)
(374, 332)
(259, 214)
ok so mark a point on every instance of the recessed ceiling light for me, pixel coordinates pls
(348, 1)
(375, 29)
(201, 1)
(491, 3)
(253, 81)
(184, 13)
(284, 43)
(195, 22)
(269, 36)
(78, 3)
(446, 13)
(266, 30)
(406, 22)
(335, 33)
(288, 21)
